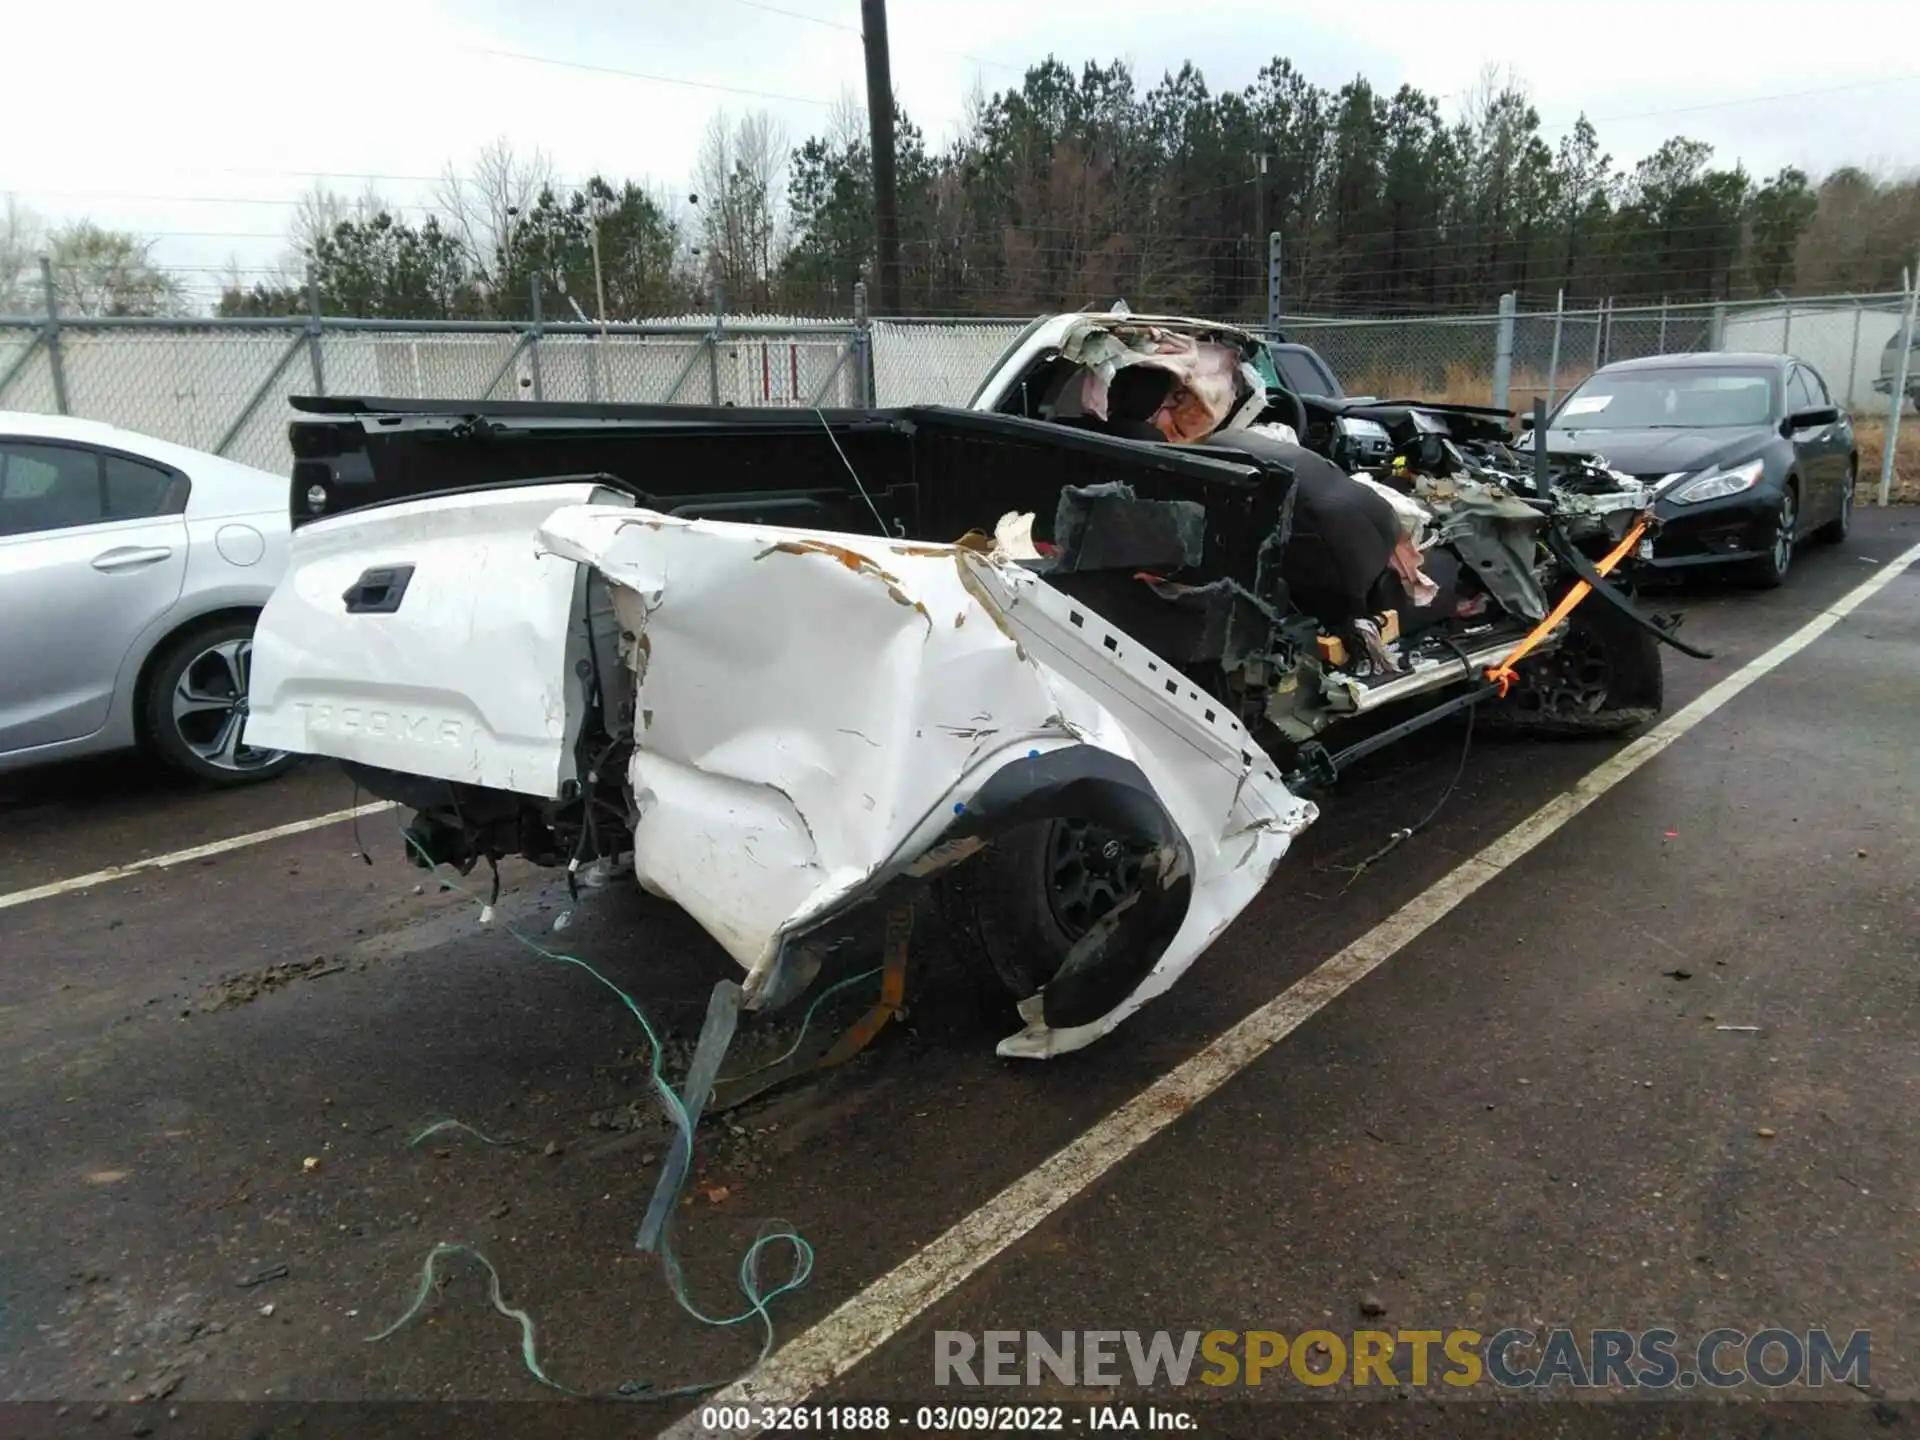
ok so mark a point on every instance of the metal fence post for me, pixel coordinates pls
(506, 365)
(1663, 325)
(1503, 350)
(1273, 285)
(1853, 355)
(713, 343)
(1553, 364)
(313, 334)
(54, 358)
(1717, 327)
(533, 341)
(1899, 398)
(1598, 326)
(1786, 331)
(862, 341)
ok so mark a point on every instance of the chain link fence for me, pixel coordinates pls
(1512, 359)
(1448, 357)
(1455, 358)
(223, 385)
(937, 362)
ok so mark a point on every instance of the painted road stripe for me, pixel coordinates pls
(183, 857)
(820, 1355)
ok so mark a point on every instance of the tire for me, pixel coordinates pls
(1605, 679)
(194, 707)
(1835, 530)
(1014, 911)
(1769, 572)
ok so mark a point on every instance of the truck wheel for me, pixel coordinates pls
(1606, 678)
(195, 706)
(1016, 909)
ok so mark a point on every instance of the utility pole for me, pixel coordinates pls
(873, 26)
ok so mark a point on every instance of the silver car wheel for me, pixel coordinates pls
(1783, 534)
(210, 707)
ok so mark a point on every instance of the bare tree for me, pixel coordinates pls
(320, 209)
(847, 121)
(480, 207)
(20, 245)
(965, 132)
(739, 177)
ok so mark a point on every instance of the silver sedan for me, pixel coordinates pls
(131, 573)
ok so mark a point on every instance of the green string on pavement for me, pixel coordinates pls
(748, 1276)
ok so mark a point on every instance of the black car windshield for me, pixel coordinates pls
(1680, 399)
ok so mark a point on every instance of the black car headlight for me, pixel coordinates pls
(1717, 484)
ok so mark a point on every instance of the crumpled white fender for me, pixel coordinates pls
(816, 711)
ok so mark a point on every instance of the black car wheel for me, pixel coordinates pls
(1018, 908)
(1770, 570)
(1835, 530)
(1604, 678)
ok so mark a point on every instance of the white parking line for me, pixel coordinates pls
(183, 857)
(821, 1354)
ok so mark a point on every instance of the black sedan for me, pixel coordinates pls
(1749, 453)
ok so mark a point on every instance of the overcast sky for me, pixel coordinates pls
(200, 122)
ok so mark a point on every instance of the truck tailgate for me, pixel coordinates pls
(430, 637)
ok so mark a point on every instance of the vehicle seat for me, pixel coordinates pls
(1343, 534)
(1136, 393)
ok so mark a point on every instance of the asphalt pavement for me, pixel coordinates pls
(1661, 1072)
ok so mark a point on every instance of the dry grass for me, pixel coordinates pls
(1470, 385)
(1463, 385)
(1872, 438)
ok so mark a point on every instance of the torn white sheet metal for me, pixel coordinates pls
(820, 711)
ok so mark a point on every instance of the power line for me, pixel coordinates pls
(855, 30)
(642, 75)
(1728, 104)
(282, 203)
(798, 15)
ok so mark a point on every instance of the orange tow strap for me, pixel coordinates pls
(1502, 674)
(893, 992)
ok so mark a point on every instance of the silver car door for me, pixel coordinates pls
(93, 549)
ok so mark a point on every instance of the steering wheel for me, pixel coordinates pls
(1296, 410)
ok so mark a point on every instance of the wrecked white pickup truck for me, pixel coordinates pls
(1070, 659)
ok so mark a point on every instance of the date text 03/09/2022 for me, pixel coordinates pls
(946, 1419)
